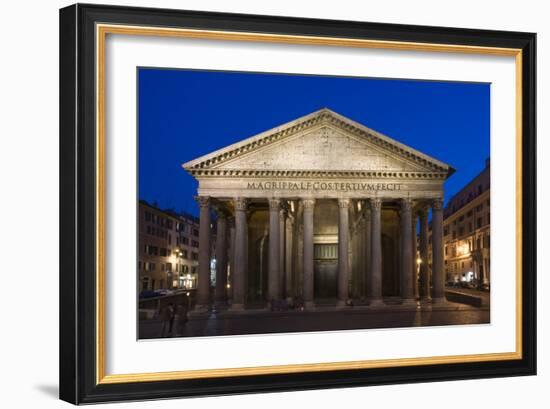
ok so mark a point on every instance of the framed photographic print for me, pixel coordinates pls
(258, 203)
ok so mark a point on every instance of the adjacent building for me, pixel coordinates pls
(168, 249)
(466, 233)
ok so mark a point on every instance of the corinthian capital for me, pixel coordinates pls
(406, 205)
(309, 204)
(437, 204)
(343, 203)
(375, 203)
(203, 201)
(274, 203)
(241, 204)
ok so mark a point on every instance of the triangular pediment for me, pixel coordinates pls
(323, 141)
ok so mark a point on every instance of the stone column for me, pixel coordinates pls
(343, 259)
(424, 263)
(231, 223)
(220, 294)
(375, 284)
(438, 273)
(203, 288)
(414, 250)
(274, 254)
(368, 247)
(241, 259)
(309, 205)
(282, 252)
(407, 291)
(289, 290)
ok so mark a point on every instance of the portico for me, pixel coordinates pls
(320, 208)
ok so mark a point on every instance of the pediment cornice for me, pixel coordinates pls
(207, 165)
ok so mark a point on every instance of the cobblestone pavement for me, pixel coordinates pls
(323, 319)
(485, 295)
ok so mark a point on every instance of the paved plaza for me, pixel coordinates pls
(323, 318)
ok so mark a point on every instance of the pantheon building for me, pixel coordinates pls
(320, 208)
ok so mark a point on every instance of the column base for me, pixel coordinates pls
(236, 307)
(409, 302)
(342, 304)
(377, 303)
(309, 305)
(439, 300)
(201, 308)
(220, 304)
(425, 300)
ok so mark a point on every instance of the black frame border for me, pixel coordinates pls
(78, 197)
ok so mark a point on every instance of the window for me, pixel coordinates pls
(185, 241)
(194, 256)
(194, 243)
(469, 214)
(195, 232)
(168, 266)
(147, 216)
(479, 222)
(470, 227)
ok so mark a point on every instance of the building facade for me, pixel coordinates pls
(467, 233)
(320, 208)
(168, 249)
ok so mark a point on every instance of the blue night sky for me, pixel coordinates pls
(184, 114)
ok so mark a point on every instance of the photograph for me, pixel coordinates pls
(287, 202)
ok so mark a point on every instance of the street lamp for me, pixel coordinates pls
(178, 254)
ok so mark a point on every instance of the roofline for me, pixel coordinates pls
(256, 137)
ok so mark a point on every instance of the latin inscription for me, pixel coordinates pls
(325, 186)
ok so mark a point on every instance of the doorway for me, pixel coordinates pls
(325, 270)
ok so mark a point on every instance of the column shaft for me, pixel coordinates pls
(424, 262)
(231, 258)
(407, 291)
(203, 288)
(221, 259)
(274, 254)
(289, 256)
(368, 250)
(438, 272)
(309, 205)
(375, 293)
(343, 259)
(282, 253)
(241, 260)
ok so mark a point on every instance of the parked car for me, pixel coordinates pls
(164, 291)
(148, 294)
